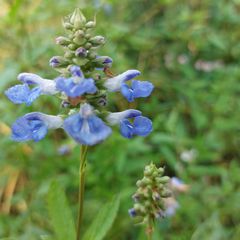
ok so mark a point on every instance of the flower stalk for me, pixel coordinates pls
(82, 171)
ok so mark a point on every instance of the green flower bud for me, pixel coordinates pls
(79, 40)
(80, 62)
(164, 179)
(67, 25)
(63, 41)
(97, 40)
(103, 61)
(58, 62)
(72, 46)
(166, 193)
(90, 24)
(79, 33)
(92, 55)
(77, 19)
(88, 45)
(88, 36)
(69, 54)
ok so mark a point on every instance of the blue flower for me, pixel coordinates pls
(85, 127)
(114, 84)
(34, 126)
(140, 126)
(76, 85)
(21, 93)
(137, 90)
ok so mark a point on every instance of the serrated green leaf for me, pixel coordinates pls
(60, 213)
(103, 221)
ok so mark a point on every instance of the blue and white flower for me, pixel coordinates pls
(76, 85)
(34, 126)
(85, 127)
(22, 93)
(140, 125)
(114, 84)
(137, 90)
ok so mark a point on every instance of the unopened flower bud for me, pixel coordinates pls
(67, 25)
(81, 52)
(88, 45)
(164, 179)
(90, 24)
(97, 40)
(166, 193)
(132, 212)
(63, 41)
(58, 61)
(65, 104)
(72, 46)
(77, 19)
(79, 40)
(79, 33)
(69, 54)
(103, 61)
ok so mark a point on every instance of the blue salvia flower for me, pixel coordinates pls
(140, 126)
(22, 93)
(114, 84)
(76, 85)
(34, 126)
(82, 89)
(137, 90)
(85, 127)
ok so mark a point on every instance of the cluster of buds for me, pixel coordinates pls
(80, 46)
(150, 196)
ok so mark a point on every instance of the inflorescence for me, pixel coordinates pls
(83, 86)
(150, 197)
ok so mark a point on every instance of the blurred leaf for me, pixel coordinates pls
(60, 213)
(103, 221)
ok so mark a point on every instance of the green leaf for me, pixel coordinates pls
(103, 221)
(60, 213)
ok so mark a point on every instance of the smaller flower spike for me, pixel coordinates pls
(76, 85)
(85, 127)
(114, 84)
(34, 126)
(21, 93)
(137, 90)
(151, 195)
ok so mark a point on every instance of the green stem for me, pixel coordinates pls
(82, 169)
(149, 230)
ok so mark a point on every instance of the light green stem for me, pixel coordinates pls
(149, 230)
(82, 169)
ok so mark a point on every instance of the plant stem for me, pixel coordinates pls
(82, 169)
(149, 230)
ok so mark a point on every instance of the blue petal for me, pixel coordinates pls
(141, 88)
(73, 89)
(76, 71)
(142, 126)
(89, 131)
(22, 94)
(18, 94)
(126, 128)
(29, 127)
(33, 95)
(130, 74)
(127, 92)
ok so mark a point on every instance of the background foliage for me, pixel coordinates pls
(190, 50)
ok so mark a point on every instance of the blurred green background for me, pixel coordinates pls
(190, 50)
